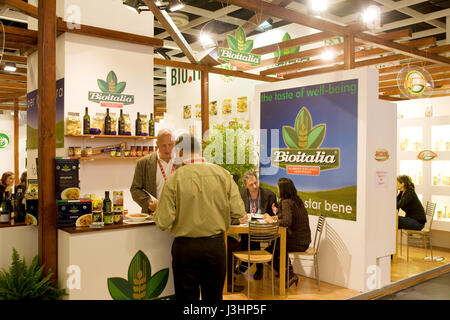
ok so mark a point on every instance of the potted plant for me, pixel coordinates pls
(232, 147)
(27, 283)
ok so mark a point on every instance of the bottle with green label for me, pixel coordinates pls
(151, 126)
(138, 125)
(121, 124)
(108, 217)
(86, 123)
(107, 123)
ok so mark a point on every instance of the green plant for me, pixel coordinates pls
(232, 147)
(27, 283)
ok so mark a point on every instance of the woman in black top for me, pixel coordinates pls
(293, 215)
(408, 201)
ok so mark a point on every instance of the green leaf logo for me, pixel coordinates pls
(111, 85)
(284, 52)
(239, 43)
(4, 141)
(304, 135)
(141, 285)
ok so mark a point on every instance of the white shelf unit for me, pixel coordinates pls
(431, 178)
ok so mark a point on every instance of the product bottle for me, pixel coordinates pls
(19, 209)
(107, 123)
(151, 126)
(5, 213)
(107, 203)
(121, 124)
(138, 125)
(86, 123)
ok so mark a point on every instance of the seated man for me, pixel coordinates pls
(256, 200)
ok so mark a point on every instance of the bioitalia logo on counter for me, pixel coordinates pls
(4, 141)
(239, 52)
(310, 135)
(111, 92)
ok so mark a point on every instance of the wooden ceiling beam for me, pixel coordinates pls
(6, 84)
(314, 72)
(401, 66)
(16, 59)
(372, 62)
(166, 21)
(13, 77)
(11, 108)
(434, 70)
(22, 7)
(18, 70)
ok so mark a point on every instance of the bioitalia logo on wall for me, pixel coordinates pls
(4, 140)
(111, 92)
(315, 145)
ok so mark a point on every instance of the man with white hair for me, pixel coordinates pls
(152, 172)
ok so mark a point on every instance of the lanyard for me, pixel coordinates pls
(162, 170)
(192, 161)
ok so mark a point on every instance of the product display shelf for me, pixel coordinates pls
(109, 158)
(101, 136)
(432, 178)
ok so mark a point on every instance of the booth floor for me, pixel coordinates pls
(307, 287)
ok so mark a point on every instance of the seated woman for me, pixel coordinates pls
(408, 201)
(293, 215)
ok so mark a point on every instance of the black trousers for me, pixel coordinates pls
(276, 258)
(199, 265)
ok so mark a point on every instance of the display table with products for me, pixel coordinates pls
(128, 261)
(22, 237)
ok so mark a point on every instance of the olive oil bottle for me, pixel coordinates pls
(138, 125)
(121, 124)
(151, 126)
(107, 123)
(106, 203)
(86, 123)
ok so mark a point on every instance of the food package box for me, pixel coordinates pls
(67, 184)
(32, 211)
(117, 200)
(107, 149)
(74, 213)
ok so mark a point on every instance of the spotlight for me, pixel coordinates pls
(372, 17)
(319, 6)
(175, 5)
(327, 55)
(133, 5)
(10, 66)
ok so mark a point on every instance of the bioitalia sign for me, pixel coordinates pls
(180, 76)
(239, 52)
(111, 92)
(315, 144)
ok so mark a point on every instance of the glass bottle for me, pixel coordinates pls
(106, 203)
(5, 213)
(151, 126)
(138, 125)
(86, 123)
(19, 207)
(107, 123)
(121, 124)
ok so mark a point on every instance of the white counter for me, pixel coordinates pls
(23, 238)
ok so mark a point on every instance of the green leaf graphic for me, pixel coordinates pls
(294, 50)
(120, 87)
(232, 42)
(240, 38)
(111, 76)
(290, 137)
(120, 289)
(103, 85)
(248, 46)
(157, 283)
(303, 118)
(315, 138)
(286, 37)
(139, 262)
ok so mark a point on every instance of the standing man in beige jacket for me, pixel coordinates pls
(152, 172)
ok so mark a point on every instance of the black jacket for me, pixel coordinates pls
(410, 203)
(295, 218)
(267, 199)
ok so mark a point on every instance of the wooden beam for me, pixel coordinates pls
(432, 69)
(401, 66)
(261, 7)
(162, 104)
(16, 142)
(205, 102)
(12, 108)
(13, 77)
(166, 21)
(372, 62)
(388, 98)
(401, 48)
(349, 52)
(396, 35)
(18, 70)
(233, 73)
(314, 72)
(47, 234)
(13, 85)
(23, 7)
(438, 76)
(16, 59)
(439, 49)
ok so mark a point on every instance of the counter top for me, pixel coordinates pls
(7, 225)
(74, 230)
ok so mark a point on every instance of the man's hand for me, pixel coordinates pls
(152, 205)
(244, 219)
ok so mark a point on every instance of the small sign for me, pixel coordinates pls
(239, 52)
(4, 141)
(381, 155)
(427, 155)
(381, 179)
(111, 95)
(415, 82)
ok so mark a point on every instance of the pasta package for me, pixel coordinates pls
(213, 108)
(126, 118)
(242, 104)
(186, 112)
(98, 123)
(73, 124)
(144, 123)
(113, 124)
(226, 106)
(198, 110)
(118, 200)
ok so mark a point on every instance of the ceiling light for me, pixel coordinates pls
(327, 55)
(319, 5)
(372, 17)
(10, 66)
(266, 25)
(175, 5)
(133, 5)
(206, 40)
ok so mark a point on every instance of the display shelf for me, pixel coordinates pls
(109, 158)
(102, 136)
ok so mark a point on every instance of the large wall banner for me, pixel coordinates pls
(317, 145)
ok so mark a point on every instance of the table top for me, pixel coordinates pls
(123, 226)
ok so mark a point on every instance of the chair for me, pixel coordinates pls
(257, 232)
(312, 252)
(425, 233)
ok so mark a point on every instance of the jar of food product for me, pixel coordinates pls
(108, 218)
(145, 151)
(113, 153)
(96, 216)
(77, 151)
(88, 151)
(139, 151)
(71, 152)
(133, 152)
(126, 153)
(118, 217)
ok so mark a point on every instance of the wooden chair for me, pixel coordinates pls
(424, 234)
(311, 253)
(257, 232)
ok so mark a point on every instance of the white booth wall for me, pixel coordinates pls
(7, 154)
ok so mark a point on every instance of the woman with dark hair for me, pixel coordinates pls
(7, 182)
(23, 181)
(408, 201)
(293, 215)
